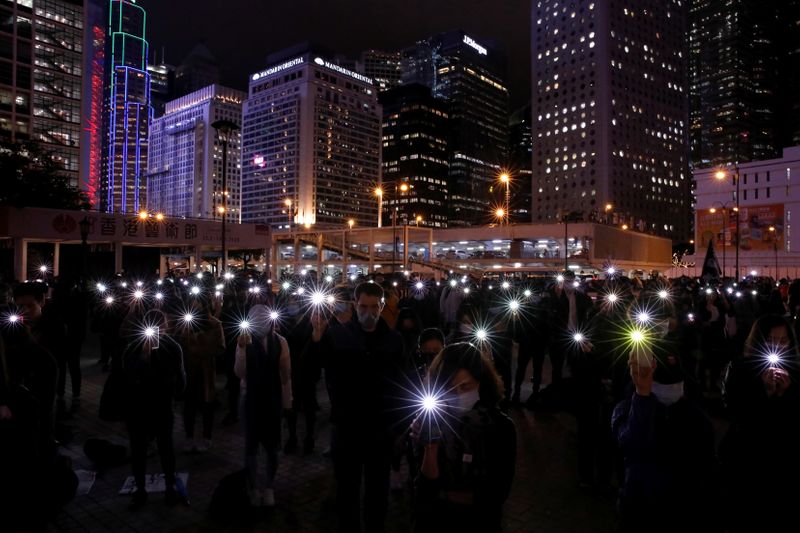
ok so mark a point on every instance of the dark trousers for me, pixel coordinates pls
(70, 358)
(305, 401)
(142, 425)
(558, 353)
(529, 354)
(501, 355)
(354, 457)
(190, 408)
(593, 409)
(233, 387)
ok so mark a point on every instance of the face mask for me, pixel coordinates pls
(668, 394)
(466, 401)
(367, 319)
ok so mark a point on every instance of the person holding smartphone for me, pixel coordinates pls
(154, 376)
(469, 446)
(759, 450)
(667, 443)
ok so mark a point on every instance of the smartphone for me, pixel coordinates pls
(154, 340)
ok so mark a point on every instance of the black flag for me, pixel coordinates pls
(711, 268)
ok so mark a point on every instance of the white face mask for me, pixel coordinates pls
(667, 394)
(368, 319)
(466, 401)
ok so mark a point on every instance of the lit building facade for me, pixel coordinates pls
(128, 111)
(162, 85)
(769, 201)
(520, 152)
(185, 156)
(41, 77)
(385, 68)
(470, 74)
(415, 166)
(610, 113)
(311, 133)
(734, 63)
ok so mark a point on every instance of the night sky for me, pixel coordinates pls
(240, 33)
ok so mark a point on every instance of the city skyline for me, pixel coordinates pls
(381, 25)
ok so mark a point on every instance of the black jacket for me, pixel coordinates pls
(366, 375)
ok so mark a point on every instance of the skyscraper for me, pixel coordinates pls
(199, 69)
(610, 112)
(185, 155)
(311, 133)
(520, 154)
(415, 167)
(94, 98)
(162, 84)
(41, 70)
(383, 67)
(128, 110)
(470, 74)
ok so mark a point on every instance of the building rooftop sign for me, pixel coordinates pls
(333, 66)
(471, 42)
(277, 68)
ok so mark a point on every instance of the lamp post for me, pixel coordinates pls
(224, 128)
(505, 178)
(725, 223)
(566, 218)
(720, 175)
(774, 233)
(288, 204)
(84, 226)
(379, 194)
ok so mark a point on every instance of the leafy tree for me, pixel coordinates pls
(30, 177)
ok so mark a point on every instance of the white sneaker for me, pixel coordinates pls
(189, 446)
(204, 446)
(268, 498)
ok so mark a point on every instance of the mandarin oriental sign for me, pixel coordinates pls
(333, 66)
(277, 68)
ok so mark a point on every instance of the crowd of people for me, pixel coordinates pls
(684, 391)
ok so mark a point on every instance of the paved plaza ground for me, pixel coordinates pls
(544, 497)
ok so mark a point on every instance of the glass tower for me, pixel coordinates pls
(128, 109)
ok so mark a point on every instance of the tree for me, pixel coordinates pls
(30, 177)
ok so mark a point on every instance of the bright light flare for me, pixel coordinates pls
(663, 294)
(101, 288)
(159, 296)
(228, 276)
(505, 285)
(453, 283)
(560, 278)
(188, 318)
(109, 300)
(138, 294)
(244, 325)
(195, 290)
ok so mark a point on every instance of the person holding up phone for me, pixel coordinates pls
(469, 447)
(154, 376)
(667, 443)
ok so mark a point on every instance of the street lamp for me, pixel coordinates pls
(505, 179)
(500, 213)
(224, 128)
(418, 219)
(379, 194)
(774, 233)
(725, 223)
(351, 223)
(288, 204)
(721, 175)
